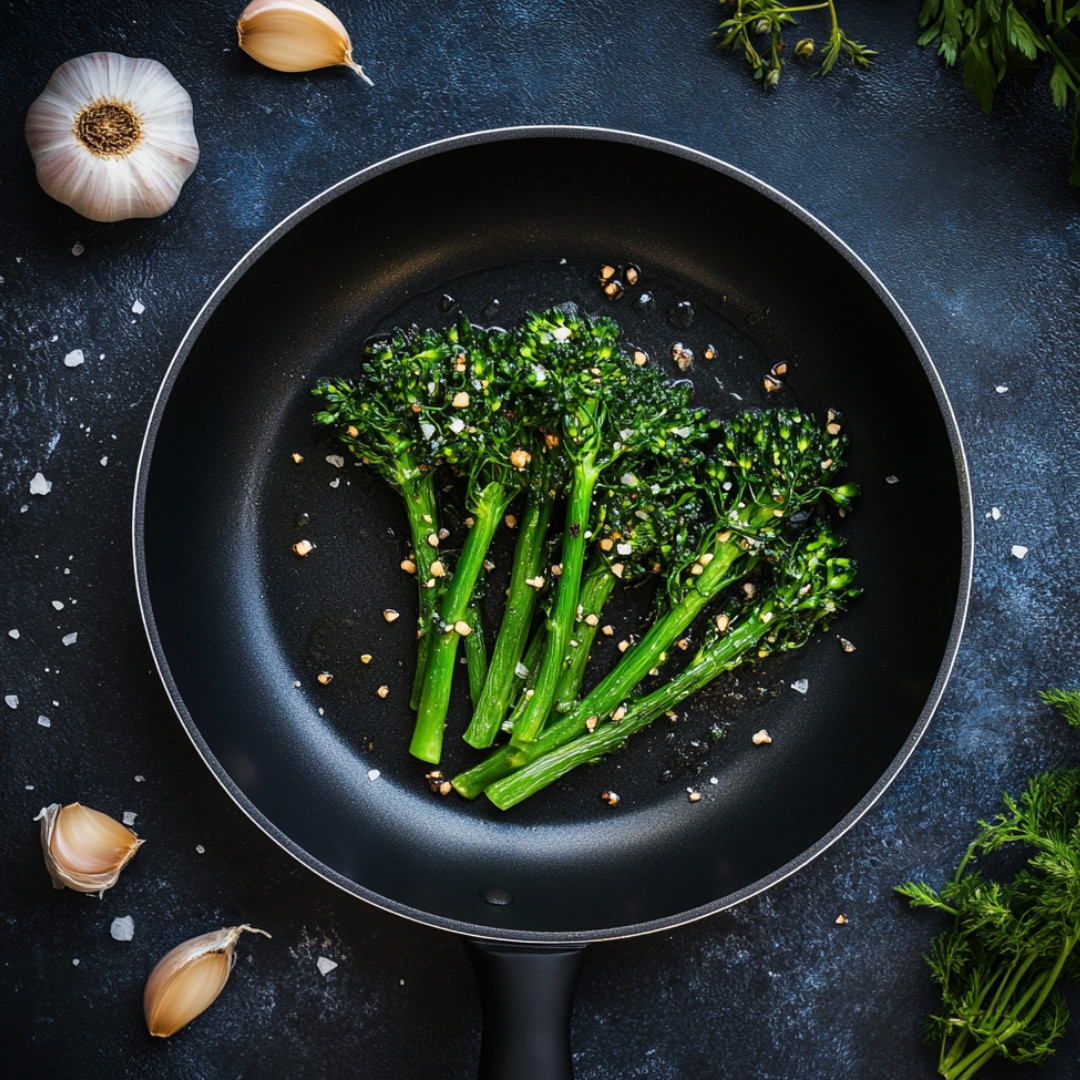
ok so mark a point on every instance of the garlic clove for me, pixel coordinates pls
(112, 137)
(84, 849)
(187, 980)
(295, 35)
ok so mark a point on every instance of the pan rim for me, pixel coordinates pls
(513, 936)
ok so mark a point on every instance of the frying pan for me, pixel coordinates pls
(233, 473)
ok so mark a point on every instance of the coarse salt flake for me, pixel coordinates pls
(11, 701)
(373, 774)
(995, 513)
(800, 686)
(105, 461)
(890, 479)
(325, 965)
(1002, 389)
(39, 485)
(336, 460)
(44, 721)
(129, 817)
(138, 307)
(58, 604)
(70, 639)
(74, 358)
(1019, 551)
(14, 634)
(122, 928)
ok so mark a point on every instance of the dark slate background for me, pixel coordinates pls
(966, 219)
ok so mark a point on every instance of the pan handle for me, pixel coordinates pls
(526, 999)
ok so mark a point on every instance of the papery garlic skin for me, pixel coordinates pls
(84, 849)
(112, 137)
(295, 35)
(187, 980)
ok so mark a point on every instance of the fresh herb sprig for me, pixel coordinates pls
(997, 38)
(1011, 941)
(754, 20)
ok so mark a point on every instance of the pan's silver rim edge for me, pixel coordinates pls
(526, 938)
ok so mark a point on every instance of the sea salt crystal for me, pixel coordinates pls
(1002, 389)
(129, 817)
(74, 358)
(138, 307)
(75, 962)
(105, 461)
(139, 779)
(122, 928)
(58, 604)
(11, 701)
(801, 685)
(373, 774)
(1019, 551)
(70, 639)
(324, 965)
(995, 513)
(892, 479)
(44, 721)
(13, 634)
(39, 485)
(199, 849)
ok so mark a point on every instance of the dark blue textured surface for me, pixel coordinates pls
(967, 221)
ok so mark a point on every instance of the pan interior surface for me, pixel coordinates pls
(241, 627)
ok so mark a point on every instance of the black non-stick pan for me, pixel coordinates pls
(491, 226)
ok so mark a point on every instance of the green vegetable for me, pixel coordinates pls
(616, 479)
(755, 19)
(1023, 38)
(1013, 932)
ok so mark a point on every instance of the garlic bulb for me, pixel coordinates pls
(295, 35)
(112, 137)
(85, 850)
(187, 980)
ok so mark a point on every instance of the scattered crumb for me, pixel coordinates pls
(298, 458)
(13, 634)
(303, 547)
(336, 460)
(199, 849)
(139, 779)
(77, 249)
(800, 686)
(390, 615)
(761, 738)
(692, 795)
(846, 645)
(383, 691)
(892, 479)
(1002, 389)
(129, 817)
(324, 965)
(610, 798)
(122, 928)
(841, 920)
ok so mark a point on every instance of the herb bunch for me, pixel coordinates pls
(754, 20)
(1012, 939)
(996, 38)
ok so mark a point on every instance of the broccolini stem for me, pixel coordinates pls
(476, 650)
(422, 511)
(435, 699)
(561, 622)
(496, 697)
(598, 585)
